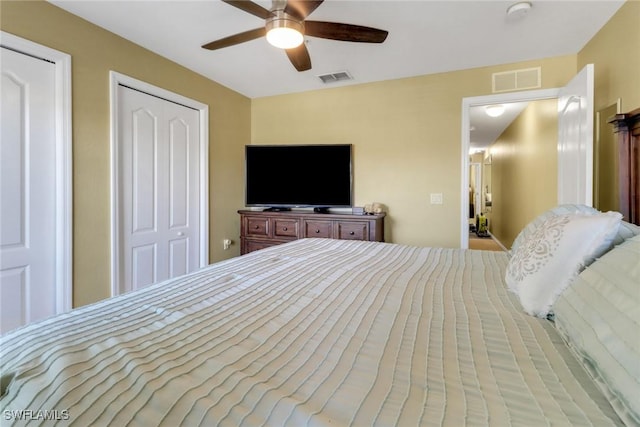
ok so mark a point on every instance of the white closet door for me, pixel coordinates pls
(159, 187)
(27, 190)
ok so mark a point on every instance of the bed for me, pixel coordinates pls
(317, 332)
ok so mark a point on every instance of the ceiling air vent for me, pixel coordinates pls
(527, 78)
(335, 77)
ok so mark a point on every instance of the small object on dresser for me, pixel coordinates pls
(374, 208)
(357, 210)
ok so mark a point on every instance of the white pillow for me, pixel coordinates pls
(550, 258)
(532, 226)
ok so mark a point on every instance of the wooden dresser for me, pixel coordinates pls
(260, 229)
(627, 130)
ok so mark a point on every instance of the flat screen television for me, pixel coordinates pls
(292, 176)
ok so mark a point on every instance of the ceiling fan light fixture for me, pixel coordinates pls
(494, 110)
(284, 32)
(284, 38)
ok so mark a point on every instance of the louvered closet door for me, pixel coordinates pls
(159, 188)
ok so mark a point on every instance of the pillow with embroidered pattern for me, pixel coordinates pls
(540, 219)
(551, 257)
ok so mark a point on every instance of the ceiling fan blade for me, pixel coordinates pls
(301, 8)
(344, 32)
(299, 57)
(236, 39)
(250, 7)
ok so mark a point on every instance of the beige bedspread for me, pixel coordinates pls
(315, 332)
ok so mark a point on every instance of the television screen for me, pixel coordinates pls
(298, 175)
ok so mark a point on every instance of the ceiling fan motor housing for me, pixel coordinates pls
(280, 19)
(283, 30)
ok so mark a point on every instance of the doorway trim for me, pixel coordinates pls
(117, 79)
(467, 103)
(63, 162)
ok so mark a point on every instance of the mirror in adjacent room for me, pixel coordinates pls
(475, 185)
(487, 195)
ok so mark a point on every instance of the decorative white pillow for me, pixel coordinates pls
(532, 226)
(550, 258)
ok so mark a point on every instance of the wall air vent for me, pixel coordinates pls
(527, 78)
(335, 77)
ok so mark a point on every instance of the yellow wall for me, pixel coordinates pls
(406, 136)
(519, 150)
(605, 177)
(615, 51)
(524, 170)
(406, 133)
(94, 53)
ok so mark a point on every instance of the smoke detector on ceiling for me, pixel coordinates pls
(518, 10)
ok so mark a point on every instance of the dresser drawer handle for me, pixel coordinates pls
(317, 231)
(352, 233)
(257, 227)
(284, 228)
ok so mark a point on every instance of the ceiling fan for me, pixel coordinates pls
(286, 26)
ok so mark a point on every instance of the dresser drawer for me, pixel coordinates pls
(261, 229)
(254, 245)
(285, 228)
(256, 226)
(353, 230)
(318, 229)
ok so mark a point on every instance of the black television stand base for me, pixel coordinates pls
(321, 210)
(276, 209)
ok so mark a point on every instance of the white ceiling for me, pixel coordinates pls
(484, 130)
(425, 37)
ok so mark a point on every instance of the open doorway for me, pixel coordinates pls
(574, 141)
(487, 124)
(515, 102)
(523, 163)
(480, 203)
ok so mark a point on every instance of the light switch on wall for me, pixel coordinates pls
(436, 198)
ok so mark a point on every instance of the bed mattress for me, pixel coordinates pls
(315, 332)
